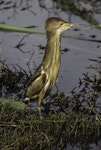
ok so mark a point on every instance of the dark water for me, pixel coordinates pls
(74, 62)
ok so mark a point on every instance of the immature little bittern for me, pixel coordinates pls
(46, 74)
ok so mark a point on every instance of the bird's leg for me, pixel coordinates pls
(39, 111)
(41, 96)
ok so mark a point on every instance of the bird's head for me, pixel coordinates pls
(58, 25)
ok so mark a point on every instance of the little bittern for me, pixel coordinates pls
(46, 74)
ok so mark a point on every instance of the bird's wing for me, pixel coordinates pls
(36, 83)
(36, 75)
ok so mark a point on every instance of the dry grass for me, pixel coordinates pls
(66, 119)
(26, 131)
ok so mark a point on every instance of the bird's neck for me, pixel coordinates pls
(52, 51)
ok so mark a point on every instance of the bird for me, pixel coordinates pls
(45, 76)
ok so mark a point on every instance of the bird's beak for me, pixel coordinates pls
(74, 25)
(70, 25)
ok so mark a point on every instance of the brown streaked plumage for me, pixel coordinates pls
(46, 74)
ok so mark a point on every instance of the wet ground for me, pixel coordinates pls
(76, 54)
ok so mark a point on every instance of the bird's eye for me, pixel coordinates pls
(61, 23)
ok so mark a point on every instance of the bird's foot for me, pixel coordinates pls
(41, 117)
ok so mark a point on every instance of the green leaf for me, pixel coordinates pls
(10, 28)
(16, 105)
